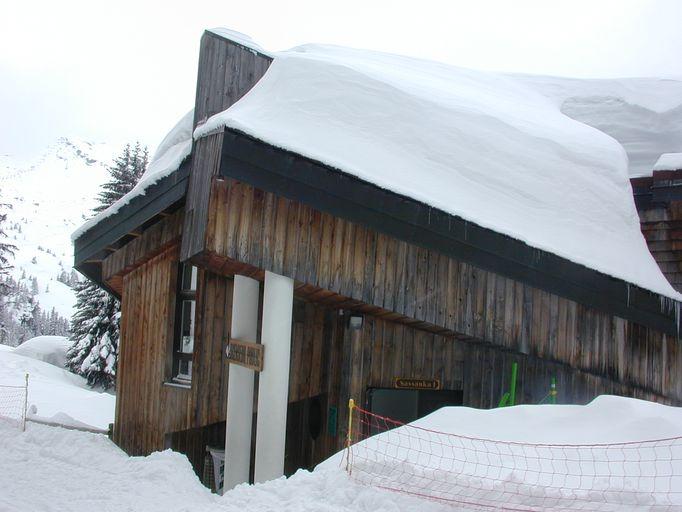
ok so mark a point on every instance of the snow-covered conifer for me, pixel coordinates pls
(6, 249)
(125, 173)
(94, 333)
(95, 324)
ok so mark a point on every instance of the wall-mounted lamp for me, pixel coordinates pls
(355, 322)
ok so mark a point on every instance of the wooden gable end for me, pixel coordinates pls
(227, 71)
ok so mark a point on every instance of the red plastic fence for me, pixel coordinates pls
(485, 474)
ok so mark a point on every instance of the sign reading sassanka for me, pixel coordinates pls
(245, 353)
(408, 383)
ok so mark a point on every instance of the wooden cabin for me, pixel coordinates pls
(401, 306)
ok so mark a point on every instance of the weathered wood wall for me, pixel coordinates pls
(154, 240)
(346, 264)
(662, 230)
(147, 407)
(227, 71)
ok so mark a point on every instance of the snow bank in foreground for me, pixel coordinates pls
(55, 394)
(477, 145)
(45, 468)
(172, 151)
(52, 469)
(49, 349)
(669, 162)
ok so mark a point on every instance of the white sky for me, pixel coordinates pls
(125, 70)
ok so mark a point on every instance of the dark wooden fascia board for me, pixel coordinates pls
(290, 175)
(167, 192)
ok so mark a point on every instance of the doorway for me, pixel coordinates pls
(406, 405)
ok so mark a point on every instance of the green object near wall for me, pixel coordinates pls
(509, 398)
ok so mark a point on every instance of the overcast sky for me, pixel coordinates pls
(125, 70)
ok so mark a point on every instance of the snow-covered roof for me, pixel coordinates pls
(669, 162)
(477, 145)
(172, 151)
(643, 114)
(241, 39)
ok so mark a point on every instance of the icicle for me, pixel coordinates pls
(466, 230)
(627, 285)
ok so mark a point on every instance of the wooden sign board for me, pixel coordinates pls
(407, 383)
(246, 353)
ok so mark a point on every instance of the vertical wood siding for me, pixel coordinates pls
(383, 275)
(227, 71)
(147, 408)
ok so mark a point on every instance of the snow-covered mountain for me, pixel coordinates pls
(48, 199)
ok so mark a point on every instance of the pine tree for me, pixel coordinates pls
(94, 333)
(125, 173)
(95, 324)
(6, 249)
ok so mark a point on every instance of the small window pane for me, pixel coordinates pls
(187, 330)
(185, 370)
(189, 278)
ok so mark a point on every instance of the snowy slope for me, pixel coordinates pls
(49, 197)
(474, 144)
(55, 393)
(643, 114)
(45, 468)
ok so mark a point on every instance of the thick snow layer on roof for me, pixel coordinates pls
(172, 151)
(643, 114)
(477, 145)
(239, 38)
(669, 162)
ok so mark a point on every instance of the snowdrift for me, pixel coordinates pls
(49, 349)
(44, 468)
(52, 469)
(55, 394)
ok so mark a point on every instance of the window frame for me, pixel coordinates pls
(184, 295)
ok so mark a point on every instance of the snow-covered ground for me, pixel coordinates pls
(54, 394)
(47, 468)
(49, 349)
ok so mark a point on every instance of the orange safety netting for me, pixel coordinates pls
(485, 474)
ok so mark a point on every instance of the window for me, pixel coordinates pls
(183, 346)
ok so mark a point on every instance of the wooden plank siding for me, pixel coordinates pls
(226, 72)
(148, 408)
(341, 264)
(154, 240)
